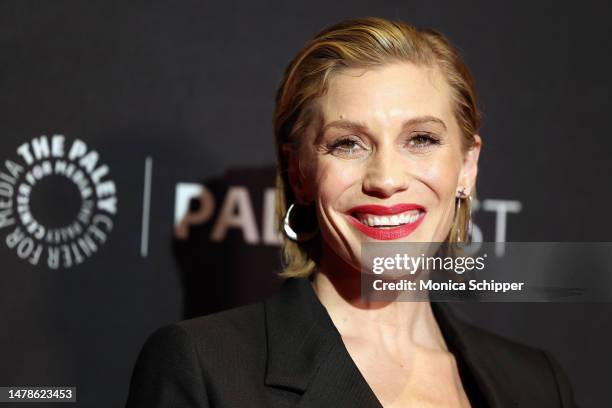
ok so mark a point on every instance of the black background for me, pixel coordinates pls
(190, 84)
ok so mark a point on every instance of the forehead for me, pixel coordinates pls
(394, 91)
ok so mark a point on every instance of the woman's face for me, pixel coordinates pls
(387, 138)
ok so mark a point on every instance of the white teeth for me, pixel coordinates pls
(394, 220)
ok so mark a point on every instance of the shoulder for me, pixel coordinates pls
(504, 350)
(529, 372)
(240, 326)
(216, 336)
(176, 360)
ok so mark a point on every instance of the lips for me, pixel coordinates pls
(381, 218)
(384, 210)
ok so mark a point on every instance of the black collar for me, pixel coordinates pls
(306, 353)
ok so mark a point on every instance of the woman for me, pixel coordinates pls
(373, 119)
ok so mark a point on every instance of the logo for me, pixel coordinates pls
(236, 212)
(57, 202)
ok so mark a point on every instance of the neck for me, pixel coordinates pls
(338, 286)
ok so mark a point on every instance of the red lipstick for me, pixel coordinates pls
(386, 233)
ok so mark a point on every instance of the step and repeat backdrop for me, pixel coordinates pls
(137, 169)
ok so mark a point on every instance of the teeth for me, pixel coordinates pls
(394, 220)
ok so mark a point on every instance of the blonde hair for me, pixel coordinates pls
(360, 43)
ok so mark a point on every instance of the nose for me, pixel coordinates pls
(385, 175)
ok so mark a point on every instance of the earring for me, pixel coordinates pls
(462, 195)
(297, 236)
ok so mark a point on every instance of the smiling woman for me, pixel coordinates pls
(376, 128)
(405, 150)
(380, 106)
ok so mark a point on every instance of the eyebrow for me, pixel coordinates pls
(362, 127)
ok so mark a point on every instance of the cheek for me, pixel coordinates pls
(438, 177)
(332, 179)
(440, 173)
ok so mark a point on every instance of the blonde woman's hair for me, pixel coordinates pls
(360, 43)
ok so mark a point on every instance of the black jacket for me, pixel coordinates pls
(286, 352)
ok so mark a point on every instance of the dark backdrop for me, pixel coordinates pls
(175, 95)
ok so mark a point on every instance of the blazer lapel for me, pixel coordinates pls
(463, 341)
(339, 383)
(306, 353)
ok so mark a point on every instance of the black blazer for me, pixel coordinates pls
(286, 352)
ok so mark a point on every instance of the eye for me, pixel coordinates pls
(423, 140)
(344, 146)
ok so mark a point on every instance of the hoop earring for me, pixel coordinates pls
(462, 195)
(296, 236)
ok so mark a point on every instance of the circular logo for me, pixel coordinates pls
(56, 202)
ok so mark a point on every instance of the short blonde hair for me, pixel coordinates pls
(360, 43)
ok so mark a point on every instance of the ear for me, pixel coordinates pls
(297, 179)
(469, 168)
